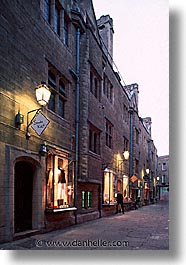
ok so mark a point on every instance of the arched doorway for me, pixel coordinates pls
(23, 194)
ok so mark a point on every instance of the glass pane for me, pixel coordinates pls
(51, 103)
(49, 182)
(106, 193)
(83, 199)
(60, 183)
(59, 188)
(51, 79)
(47, 10)
(62, 88)
(109, 187)
(61, 107)
(57, 20)
(89, 198)
(65, 32)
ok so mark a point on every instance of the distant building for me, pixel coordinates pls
(163, 177)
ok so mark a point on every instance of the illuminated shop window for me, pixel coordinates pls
(60, 182)
(125, 186)
(83, 199)
(89, 202)
(109, 187)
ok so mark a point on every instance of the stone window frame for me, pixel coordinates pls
(58, 94)
(95, 83)
(60, 24)
(59, 172)
(94, 139)
(108, 89)
(86, 199)
(108, 133)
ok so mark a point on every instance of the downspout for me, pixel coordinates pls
(77, 118)
(130, 149)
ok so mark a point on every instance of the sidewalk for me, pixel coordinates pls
(145, 228)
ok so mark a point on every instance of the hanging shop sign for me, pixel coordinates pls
(133, 178)
(39, 123)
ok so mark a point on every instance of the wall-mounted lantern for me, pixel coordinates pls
(126, 155)
(43, 96)
(19, 119)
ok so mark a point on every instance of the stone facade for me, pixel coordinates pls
(93, 119)
(163, 177)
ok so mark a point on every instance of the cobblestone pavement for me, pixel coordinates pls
(144, 229)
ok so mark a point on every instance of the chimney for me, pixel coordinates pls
(105, 27)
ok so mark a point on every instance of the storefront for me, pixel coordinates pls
(59, 210)
(110, 185)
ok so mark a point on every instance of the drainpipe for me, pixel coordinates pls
(76, 74)
(130, 149)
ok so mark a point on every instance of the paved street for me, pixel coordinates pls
(145, 228)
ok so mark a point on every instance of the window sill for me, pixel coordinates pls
(96, 155)
(61, 210)
(108, 204)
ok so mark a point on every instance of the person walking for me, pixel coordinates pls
(120, 202)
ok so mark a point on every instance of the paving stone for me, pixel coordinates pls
(144, 229)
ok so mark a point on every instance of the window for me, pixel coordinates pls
(109, 129)
(52, 84)
(55, 15)
(137, 166)
(137, 136)
(104, 84)
(125, 114)
(58, 97)
(83, 199)
(91, 84)
(47, 10)
(61, 107)
(108, 89)
(95, 87)
(109, 186)
(111, 93)
(126, 144)
(163, 180)
(57, 19)
(163, 166)
(89, 202)
(86, 199)
(51, 103)
(59, 182)
(94, 139)
(65, 37)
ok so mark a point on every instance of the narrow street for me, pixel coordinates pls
(145, 228)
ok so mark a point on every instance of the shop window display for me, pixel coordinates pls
(109, 187)
(59, 182)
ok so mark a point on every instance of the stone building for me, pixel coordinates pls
(163, 177)
(70, 171)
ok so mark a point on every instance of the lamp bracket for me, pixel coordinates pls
(29, 123)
